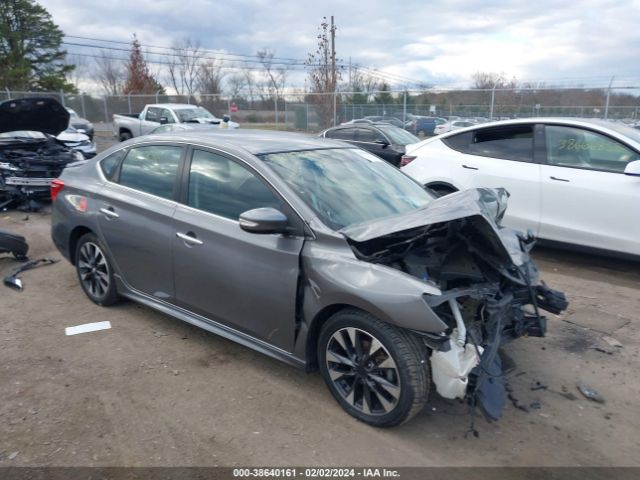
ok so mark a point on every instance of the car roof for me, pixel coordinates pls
(255, 142)
(604, 126)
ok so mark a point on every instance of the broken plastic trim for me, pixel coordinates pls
(12, 281)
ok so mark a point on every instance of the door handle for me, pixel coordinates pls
(189, 238)
(559, 179)
(469, 168)
(109, 212)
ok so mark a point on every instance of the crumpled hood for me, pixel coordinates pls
(488, 203)
(44, 115)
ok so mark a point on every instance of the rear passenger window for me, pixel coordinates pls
(109, 165)
(223, 187)
(151, 169)
(367, 135)
(507, 143)
(342, 134)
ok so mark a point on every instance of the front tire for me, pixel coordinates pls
(377, 372)
(95, 272)
(125, 135)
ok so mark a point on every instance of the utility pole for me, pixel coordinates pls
(333, 70)
(606, 107)
(333, 54)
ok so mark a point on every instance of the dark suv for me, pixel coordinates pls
(381, 139)
(424, 125)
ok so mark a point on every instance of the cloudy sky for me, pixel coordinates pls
(440, 42)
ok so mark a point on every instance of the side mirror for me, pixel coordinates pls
(164, 120)
(264, 220)
(633, 168)
(382, 142)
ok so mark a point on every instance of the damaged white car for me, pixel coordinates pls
(30, 154)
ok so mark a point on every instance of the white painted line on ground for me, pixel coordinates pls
(87, 327)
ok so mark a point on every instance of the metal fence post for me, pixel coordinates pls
(157, 93)
(106, 109)
(8, 93)
(335, 105)
(84, 110)
(275, 101)
(307, 111)
(62, 98)
(404, 107)
(129, 102)
(606, 107)
(493, 99)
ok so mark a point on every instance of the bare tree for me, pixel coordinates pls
(184, 66)
(78, 75)
(250, 82)
(275, 78)
(210, 76)
(109, 73)
(489, 80)
(362, 85)
(324, 76)
(235, 84)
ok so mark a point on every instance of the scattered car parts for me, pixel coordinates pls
(13, 243)
(12, 281)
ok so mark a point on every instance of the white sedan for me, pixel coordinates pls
(571, 181)
(452, 125)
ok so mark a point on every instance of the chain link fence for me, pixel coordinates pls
(309, 112)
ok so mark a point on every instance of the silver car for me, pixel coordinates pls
(313, 252)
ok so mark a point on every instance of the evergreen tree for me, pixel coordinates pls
(30, 54)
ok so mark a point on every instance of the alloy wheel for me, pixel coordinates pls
(363, 371)
(93, 269)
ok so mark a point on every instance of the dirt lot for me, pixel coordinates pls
(153, 391)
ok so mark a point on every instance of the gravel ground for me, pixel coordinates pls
(153, 391)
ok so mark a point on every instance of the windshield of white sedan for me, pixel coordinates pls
(347, 186)
(191, 114)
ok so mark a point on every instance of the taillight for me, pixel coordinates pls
(406, 160)
(56, 187)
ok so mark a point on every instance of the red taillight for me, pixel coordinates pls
(56, 187)
(406, 160)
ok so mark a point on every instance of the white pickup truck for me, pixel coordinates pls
(129, 125)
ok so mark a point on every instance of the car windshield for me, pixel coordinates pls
(347, 186)
(190, 114)
(399, 136)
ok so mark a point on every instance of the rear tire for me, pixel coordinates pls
(95, 272)
(378, 373)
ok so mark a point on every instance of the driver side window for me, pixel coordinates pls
(579, 148)
(223, 187)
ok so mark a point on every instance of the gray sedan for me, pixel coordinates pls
(313, 252)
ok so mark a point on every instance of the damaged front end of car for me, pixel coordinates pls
(491, 292)
(30, 156)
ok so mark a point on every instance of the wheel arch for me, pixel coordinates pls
(311, 347)
(441, 184)
(74, 236)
